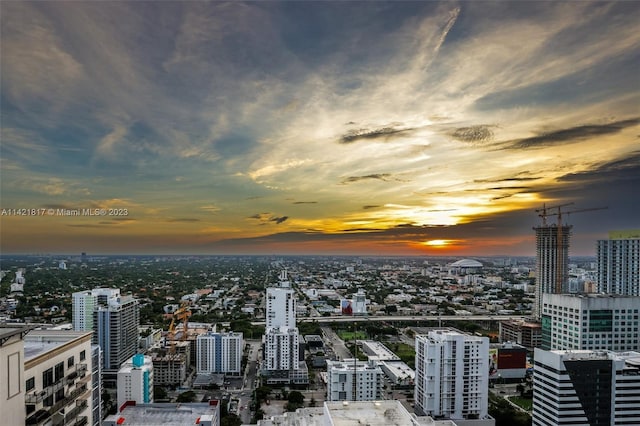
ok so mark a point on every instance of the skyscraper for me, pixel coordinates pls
(452, 375)
(114, 320)
(619, 263)
(282, 363)
(594, 388)
(552, 262)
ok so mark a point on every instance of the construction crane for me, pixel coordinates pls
(181, 314)
(544, 214)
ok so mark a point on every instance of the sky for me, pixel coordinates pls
(365, 128)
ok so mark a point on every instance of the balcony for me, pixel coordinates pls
(39, 396)
(69, 418)
(67, 399)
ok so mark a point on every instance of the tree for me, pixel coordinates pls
(159, 393)
(188, 396)
(295, 397)
(262, 393)
(231, 420)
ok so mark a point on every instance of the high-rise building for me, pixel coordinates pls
(57, 378)
(219, 353)
(86, 302)
(281, 308)
(114, 320)
(590, 321)
(619, 263)
(552, 262)
(352, 380)
(586, 388)
(525, 333)
(452, 375)
(281, 343)
(135, 380)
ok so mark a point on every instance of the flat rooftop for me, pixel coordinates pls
(166, 414)
(38, 342)
(377, 413)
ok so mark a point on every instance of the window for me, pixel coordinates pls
(47, 378)
(59, 371)
(70, 362)
(31, 383)
(83, 355)
(48, 402)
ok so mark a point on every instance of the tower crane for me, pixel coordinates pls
(544, 214)
(181, 314)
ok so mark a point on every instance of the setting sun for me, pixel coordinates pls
(437, 243)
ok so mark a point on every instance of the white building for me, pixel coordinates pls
(282, 363)
(135, 380)
(352, 380)
(619, 263)
(58, 377)
(586, 388)
(219, 353)
(452, 375)
(590, 321)
(281, 308)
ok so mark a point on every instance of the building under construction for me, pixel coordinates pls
(552, 262)
(552, 253)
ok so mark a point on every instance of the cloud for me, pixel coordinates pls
(371, 206)
(279, 220)
(573, 134)
(385, 132)
(481, 133)
(385, 177)
(305, 202)
(183, 219)
(265, 218)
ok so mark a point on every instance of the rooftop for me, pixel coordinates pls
(166, 414)
(39, 342)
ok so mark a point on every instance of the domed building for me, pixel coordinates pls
(465, 266)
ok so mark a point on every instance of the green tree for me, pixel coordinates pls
(188, 396)
(295, 397)
(159, 393)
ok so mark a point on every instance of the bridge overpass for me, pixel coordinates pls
(410, 318)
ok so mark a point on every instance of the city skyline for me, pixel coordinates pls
(402, 128)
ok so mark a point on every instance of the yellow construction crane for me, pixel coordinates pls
(544, 213)
(181, 314)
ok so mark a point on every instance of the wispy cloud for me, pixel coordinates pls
(573, 134)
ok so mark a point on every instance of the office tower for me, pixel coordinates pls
(552, 262)
(586, 388)
(619, 263)
(452, 375)
(12, 374)
(219, 353)
(281, 343)
(590, 321)
(57, 377)
(352, 380)
(135, 380)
